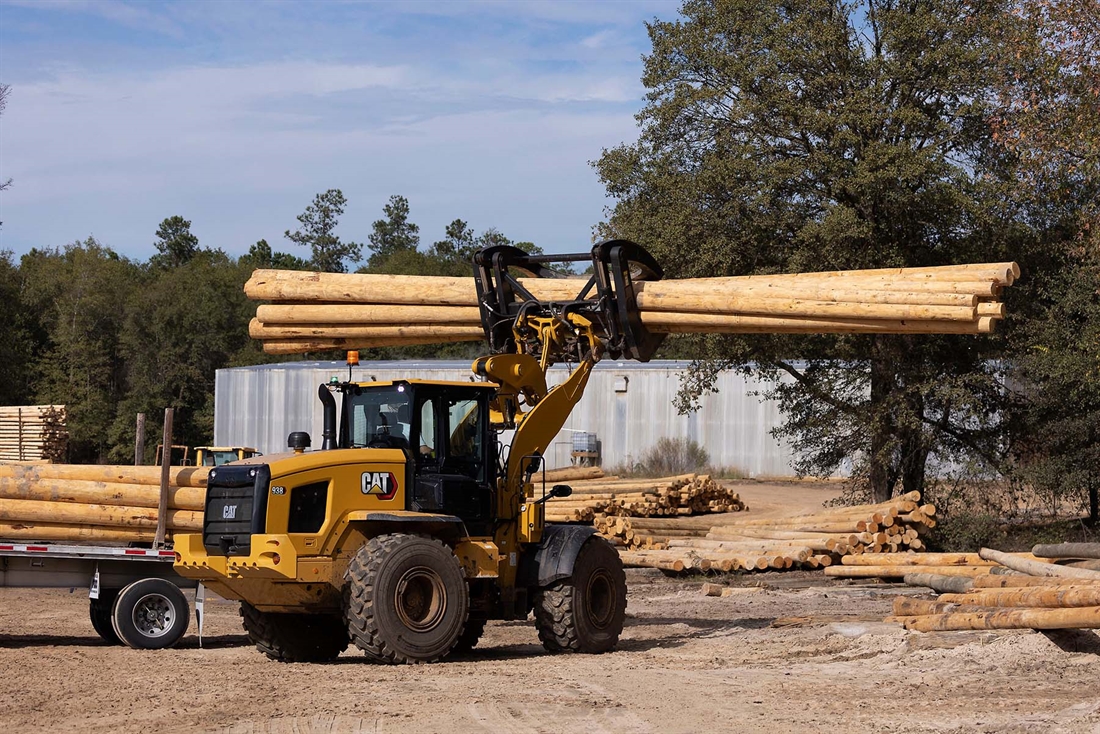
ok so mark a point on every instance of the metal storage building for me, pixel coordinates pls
(628, 405)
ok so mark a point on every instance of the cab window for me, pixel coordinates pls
(464, 431)
(428, 423)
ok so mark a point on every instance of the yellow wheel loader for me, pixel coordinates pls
(414, 524)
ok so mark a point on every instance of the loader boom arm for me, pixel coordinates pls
(528, 336)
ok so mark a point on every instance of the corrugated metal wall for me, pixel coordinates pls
(628, 405)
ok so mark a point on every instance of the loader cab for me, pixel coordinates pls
(443, 429)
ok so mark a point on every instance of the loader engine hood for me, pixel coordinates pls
(237, 494)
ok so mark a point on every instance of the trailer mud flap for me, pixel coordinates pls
(200, 599)
(93, 592)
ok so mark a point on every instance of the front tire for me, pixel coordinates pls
(585, 612)
(150, 614)
(406, 599)
(295, 638)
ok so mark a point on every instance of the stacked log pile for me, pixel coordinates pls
(996, 590)
(77, 503)
(33, 433)
(687, 494)
(322, 311)
(731, 543)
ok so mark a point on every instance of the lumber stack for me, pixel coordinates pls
(1008, 591)
(687, 494)
(33, 433)
(308, 311)
(82, 503)
(731, 542)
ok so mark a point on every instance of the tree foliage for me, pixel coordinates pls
(394, 235)
(175, 244)
(111, 337)
(318, 232)
(834, 135)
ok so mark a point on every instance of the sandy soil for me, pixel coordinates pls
(802, 655)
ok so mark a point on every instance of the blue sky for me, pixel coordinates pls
(234, 114)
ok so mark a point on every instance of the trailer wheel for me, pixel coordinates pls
(295, 638)
(100, 612)
(406, 599)
(585, 612)
(151, 614)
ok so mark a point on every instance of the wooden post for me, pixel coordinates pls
(139, 441)
(165, 472)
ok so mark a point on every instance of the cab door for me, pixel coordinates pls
(454, 474)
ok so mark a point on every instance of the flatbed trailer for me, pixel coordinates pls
(134, 594)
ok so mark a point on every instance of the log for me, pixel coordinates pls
(900, 572)
(301, 346)
(573, 473)
(181, 476)
(1057, 596)
(101, 493)
(940, 582)
(282, 285)
(1018, 581)
(1035, 568)
(666, 322)
(1067, 550)
(27, 531)
(908, 607)
(367, 314)
(1039, 619)
(928, 559)
(61, 513)
(642, 560)
(442, 332)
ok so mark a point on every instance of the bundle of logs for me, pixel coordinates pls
(33, 433)
(81, 503)
(1053, 587)
(732, 543)
(687, 494)
(322, 311)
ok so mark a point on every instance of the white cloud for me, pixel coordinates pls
(241, 150)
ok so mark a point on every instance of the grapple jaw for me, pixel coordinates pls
(516, 321)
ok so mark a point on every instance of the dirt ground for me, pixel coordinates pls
(800, 654)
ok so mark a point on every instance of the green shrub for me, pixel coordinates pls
(674, 456)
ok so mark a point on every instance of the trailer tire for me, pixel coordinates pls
(406, 599)
(295, 638)
(150, 614)
(585, 612)
(100, 611)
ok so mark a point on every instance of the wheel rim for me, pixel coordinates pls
(153, 615)
(600, 595)
(420, 599)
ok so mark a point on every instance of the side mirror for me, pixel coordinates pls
(561, 490)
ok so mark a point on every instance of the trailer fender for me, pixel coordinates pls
(552, 559)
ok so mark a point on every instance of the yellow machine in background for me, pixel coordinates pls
(218, 455)
(412, 525)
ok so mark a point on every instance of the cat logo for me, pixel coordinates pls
(382, 485)
(229, 512)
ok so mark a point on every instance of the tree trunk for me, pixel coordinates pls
(882, 383)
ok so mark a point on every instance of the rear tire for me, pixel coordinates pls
(99, 610)
(406, 599)
(585, 612)
(295, 638)
(150, 614)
